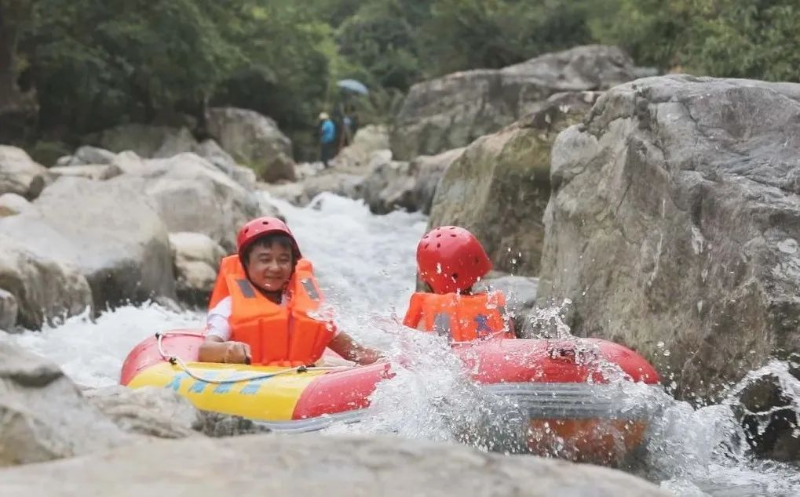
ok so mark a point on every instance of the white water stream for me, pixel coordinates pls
(365, 264)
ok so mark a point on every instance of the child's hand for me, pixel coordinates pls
(237, 353)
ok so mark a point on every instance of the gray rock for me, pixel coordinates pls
(20, 174)
(43, 289)
(178, 142)
(43, 416)
(766, 406)
(367, 141)
(245, 177)
(454, 110)
(404, 185)
(302, 193)
(387, 187)
(197, 259)
(192, 195)
(499, 186)
(213, 153)
(130, 163)
(90, 171)
(150, 411)
(674, 225)
(314, 465)
(12, 204)
(144, 140)
(91, 155)
(253, 140)
(8, 310)
(108, 231)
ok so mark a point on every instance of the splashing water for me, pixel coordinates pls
(366, 267)
(431, 397)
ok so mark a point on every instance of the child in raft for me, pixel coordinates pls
(450, 260)
(262, 305)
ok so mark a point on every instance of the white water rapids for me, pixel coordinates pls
(366, 266)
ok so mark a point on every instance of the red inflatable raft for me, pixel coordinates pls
(570, 392)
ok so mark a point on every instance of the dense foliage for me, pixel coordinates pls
(91, 64)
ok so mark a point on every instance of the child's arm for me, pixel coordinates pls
(214, 349)
(344, 345)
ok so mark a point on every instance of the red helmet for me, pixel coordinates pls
(262, 226)
(451, 259)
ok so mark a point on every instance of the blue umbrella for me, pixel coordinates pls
(353, 85)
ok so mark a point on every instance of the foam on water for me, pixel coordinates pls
(366, 267)
(92, 352)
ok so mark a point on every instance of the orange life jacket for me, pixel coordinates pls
(278, 336)
(461, 317)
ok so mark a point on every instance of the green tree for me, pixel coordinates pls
(14, 17)
(653, 32)
(746, 39)
(96, 63)
(468, 34)
(381, 39)
(288, 71)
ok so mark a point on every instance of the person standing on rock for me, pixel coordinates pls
(450, 260)
(262, 305)
(327, 137)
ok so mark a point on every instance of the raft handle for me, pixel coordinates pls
(177, 361)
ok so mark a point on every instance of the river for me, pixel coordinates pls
(365, 264)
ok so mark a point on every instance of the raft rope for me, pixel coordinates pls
(177, 361)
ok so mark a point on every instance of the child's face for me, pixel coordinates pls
(270, 267)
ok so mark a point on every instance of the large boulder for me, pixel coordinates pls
(452, 111)
(150, 411)
(42, 288)
(197, 259)
(86, 155)
(367, 141)
(674, 222)
(254, 140)
(97, 172)
(766, 404)
(427, 171)
(12, 204)
(142, 139)
(303, 192)
(387, 187)
(192, 195)
(130, 163)
(43, 415)
(499, 186)
(404, 185)
(334, 466)
(213, 153)
(138, 141)
(9, 310)
(109, 231)
(20, 174)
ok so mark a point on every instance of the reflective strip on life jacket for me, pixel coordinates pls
(459, 317)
